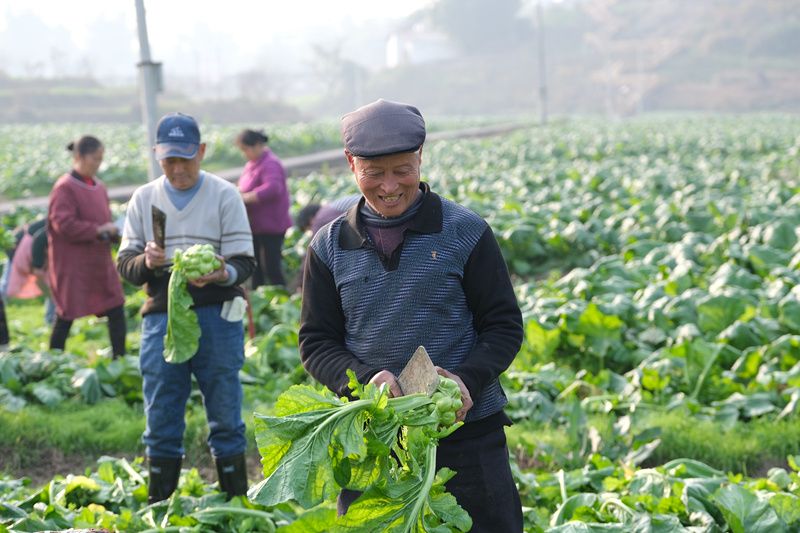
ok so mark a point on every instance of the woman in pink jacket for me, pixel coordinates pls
(266, 196)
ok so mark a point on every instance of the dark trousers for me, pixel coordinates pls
(4, 338)
(268, 248)
(483, 484)
(117, 329)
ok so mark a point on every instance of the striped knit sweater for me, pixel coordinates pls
(446, 288)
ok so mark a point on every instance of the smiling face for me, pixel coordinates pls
(183, 173)
(390, 183)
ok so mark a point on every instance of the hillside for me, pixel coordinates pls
(626, 56)
(617, 57)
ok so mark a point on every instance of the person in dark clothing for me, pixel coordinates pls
(403, 268)
(313, 217)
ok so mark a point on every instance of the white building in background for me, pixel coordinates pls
(417, 45)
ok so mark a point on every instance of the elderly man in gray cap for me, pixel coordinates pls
(403, 268)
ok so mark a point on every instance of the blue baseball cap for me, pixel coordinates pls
(177, 136)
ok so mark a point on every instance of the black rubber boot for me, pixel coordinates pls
(164, 475)
(232, 472)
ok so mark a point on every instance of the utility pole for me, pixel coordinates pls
(149, 86)
(542, 64)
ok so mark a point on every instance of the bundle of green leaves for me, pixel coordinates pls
(318, 443)
(183, 331)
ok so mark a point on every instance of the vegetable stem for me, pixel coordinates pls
(430, 475)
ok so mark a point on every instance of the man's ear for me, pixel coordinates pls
(350, 160)
(201, 151)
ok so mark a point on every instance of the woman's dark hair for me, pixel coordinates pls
(85, 145)
(252, 137)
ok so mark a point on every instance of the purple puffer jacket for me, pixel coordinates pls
(267, 178)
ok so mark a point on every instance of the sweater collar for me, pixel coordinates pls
(88, 180)
(428, 219)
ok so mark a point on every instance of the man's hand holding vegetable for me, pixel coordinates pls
(390, 380)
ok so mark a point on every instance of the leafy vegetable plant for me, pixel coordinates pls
(318, 444)
(183, 331)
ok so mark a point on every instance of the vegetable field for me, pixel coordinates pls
(33, 157)
(657, 264)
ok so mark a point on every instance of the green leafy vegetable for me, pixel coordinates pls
(319, 443)
(183, 331)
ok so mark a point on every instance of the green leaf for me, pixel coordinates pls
(653, 336)
(571, 505)
(780, 477)
(294, 451)
(445, 506)
(47, 394)
(183, 330)
(715, 313)
(304, 398)
(10, 402)
(88, 382)
(765, 258)
(745, 512)
(106, 472)
(691, 468)
(788, 508)
(789, 312)
(543, 342)
(780, 235)
(593, 322)
(399, 505)
(321, 519)
(750, 406)
(743, 335)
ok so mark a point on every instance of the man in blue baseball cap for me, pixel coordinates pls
(200, 208)
(177, 136)
(404, 268)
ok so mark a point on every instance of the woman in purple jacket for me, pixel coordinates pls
(266, 196)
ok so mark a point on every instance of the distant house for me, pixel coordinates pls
(417, 45)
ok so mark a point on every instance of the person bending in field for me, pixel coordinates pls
(313, 216)
(80, 231)
(405, 267)
(200, 208)
(25, 271)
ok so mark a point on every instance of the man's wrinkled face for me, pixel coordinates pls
(390, 183)
(183, 173)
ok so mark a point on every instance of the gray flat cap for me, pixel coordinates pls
(382, 128)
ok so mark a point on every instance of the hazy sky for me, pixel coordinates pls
(231, 34)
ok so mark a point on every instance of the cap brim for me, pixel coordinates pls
(373, 155)
(182, 150)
